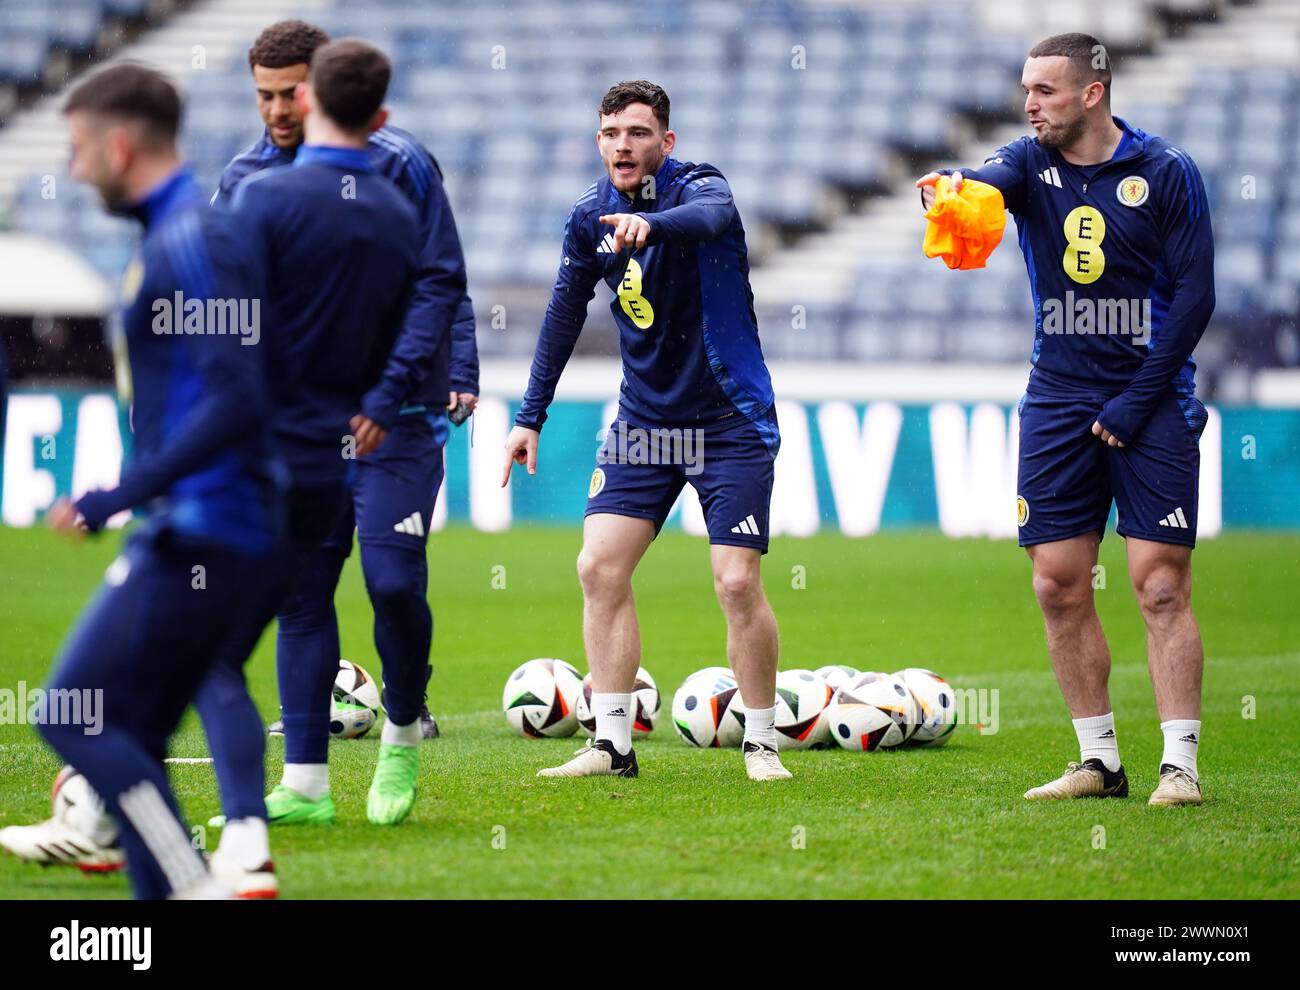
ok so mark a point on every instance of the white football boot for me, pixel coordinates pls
(596, 759)
(762, 763)
(55, 843)
(1087, 779)
(1177, 786)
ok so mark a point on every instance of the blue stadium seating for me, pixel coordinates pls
(795, 102)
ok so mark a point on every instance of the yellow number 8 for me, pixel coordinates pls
(1085, 229)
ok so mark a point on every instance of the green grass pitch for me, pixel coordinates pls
(913, 823)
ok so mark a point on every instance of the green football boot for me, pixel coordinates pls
(285, 806)
(392, 792)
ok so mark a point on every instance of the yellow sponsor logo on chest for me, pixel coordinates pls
(636, 306)
(1085, 229)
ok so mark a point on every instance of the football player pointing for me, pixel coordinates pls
(666, 237)
(1117, 219)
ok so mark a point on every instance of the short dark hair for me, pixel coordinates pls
(286, 43)
(1089, 60)
(623, 94)
(130, 91)
(350, 77)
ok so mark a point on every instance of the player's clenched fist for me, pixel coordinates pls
(521, 448)
(630, 229)
(926, 184)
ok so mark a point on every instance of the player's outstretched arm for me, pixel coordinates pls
(521, 448)
(232, 401)
(1005, 171)
(575, 284)
(704, 214)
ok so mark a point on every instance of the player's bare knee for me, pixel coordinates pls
(738, 587)
(602, 577)
(1062, 595)
(1162, 593)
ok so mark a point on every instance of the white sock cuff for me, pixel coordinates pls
(312, 780)
(1094, 723)
(761, 718)
(1097, 740)
(1182, 740)
(246, 840)
(613, 712)
(401, 735)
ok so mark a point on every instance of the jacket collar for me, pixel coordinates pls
(352, 159)
(177, 189)
(1132, 144)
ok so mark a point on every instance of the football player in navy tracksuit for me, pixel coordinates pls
(202, 471)
(665, 236)
(394, 492)
(1115, 229)
(339, 251)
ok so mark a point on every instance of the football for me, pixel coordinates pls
(837, 674)
(645, 704)
(76, 805)
(540, 698)
(936, 705)
(801, 700)
(354, 702)
(873, 711)
(707, 710)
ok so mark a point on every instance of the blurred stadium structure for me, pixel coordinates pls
(820, 113)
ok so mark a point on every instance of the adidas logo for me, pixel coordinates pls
(412, 525)
(746, 526)
(1176, 519)
(1052, 177)
(606, 245)
(1190, 737)
(616, 713)
(1108, 734)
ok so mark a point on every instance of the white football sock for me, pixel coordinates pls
(401, 735)
(760, 725)
(1182, 736)
(1097, 740)
(614, 719)
(245, 841)
(311, 780)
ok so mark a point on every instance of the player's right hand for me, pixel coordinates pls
(521, 448)
(369, 434)
(63, 518)
(926, 184)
